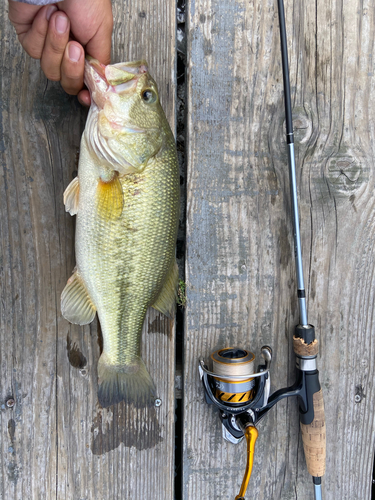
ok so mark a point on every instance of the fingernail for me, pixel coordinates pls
(74, 52)
(61, 23)
(50, 11)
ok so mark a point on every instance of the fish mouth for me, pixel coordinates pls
(119, 78)
(112, 131)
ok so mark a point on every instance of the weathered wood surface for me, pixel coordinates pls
(57, 442)
(240, 270)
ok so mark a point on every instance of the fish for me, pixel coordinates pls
(126, 201)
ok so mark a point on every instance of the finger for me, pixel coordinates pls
(22, 14)
(99, 46)
(33, 36)
(84, 97)
(54, 47)
(72, 68)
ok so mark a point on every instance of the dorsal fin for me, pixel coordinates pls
(166, 300)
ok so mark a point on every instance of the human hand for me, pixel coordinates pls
(44, 33)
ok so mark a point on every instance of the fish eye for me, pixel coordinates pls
(149, 96)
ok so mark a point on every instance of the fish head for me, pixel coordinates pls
(128, 120)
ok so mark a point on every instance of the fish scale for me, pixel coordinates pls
(126, 231)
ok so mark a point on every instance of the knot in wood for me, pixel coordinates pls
(345, 173)
(302, 126)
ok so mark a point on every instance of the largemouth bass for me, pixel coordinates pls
(126, 198)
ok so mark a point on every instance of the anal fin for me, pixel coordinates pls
(71, 197)
(76, 305)
(166, 300)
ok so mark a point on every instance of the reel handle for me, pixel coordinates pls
(313, 434)
(251, 434)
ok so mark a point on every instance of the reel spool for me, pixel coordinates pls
(233, 362)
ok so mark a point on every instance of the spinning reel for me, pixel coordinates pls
(235, 389)
(243, 395)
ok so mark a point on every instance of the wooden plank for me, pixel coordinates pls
(240, 270)
(57, 442)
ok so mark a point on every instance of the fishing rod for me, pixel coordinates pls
(243, 395)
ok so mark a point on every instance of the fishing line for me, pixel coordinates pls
(234, 363)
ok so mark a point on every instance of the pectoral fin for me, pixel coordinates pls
(71, 196)
(109, 198)
(76, 305)
(166, 301)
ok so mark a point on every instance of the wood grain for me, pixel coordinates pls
(241, 287)
(57, 443)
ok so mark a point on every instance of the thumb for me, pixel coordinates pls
(99, 46)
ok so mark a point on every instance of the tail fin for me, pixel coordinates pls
(129, 382)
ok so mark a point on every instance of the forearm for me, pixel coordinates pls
(38, 2)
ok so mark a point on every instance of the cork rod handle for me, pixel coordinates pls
(314, 438)
(314, 434)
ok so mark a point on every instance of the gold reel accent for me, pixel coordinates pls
(251, 434)
(229, 397)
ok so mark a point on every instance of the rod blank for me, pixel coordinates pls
(292, 167)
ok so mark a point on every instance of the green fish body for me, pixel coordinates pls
(126, 198)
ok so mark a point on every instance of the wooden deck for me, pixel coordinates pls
(56, 442)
